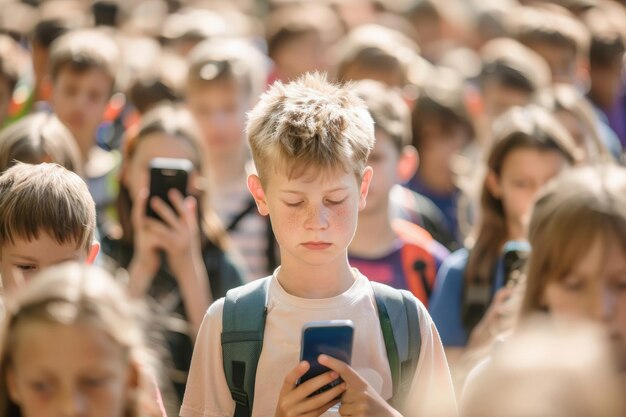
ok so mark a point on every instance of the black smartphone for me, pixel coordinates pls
(514, 255)
(165, 174)
(333, 338)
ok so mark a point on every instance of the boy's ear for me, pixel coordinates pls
(493, 184)
(408, 163)
(93, 252)
(365, 186)
(133, 382)
(256, 189)
(134, 375)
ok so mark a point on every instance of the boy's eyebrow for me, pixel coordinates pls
(326, 191)
(24, 257)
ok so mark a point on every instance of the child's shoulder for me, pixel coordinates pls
(245, 296)
(456, 262)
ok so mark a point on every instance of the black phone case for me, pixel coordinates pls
(164, 177)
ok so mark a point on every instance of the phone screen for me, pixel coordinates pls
(328, 338)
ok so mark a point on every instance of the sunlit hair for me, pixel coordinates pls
(549, 24)
(566, 98)
(375, 52)
(575, 209)
(76, 294)
(390, 113)
(530, 127)
(83, 50)
(512, 65)
(309, 123)
(46, 198)
(176, 123)
(37, 138)
(228, 60)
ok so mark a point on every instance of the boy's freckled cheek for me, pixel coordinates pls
(290, 221)
(341, 213)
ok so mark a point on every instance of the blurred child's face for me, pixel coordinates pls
(560, 59)
(302, 54)
(155, 145)
(579, 133)
(498, 98)
(79, 99)
(384, 160)
(595, 289)
(524, 172)
(219, 109)
(313, 216)
(606, 83)
(439, 145)
(5, 99)
(20, 260)
(69, 370)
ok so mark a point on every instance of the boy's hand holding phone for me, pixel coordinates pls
(297, 399)
(359, 398)
(321, 380)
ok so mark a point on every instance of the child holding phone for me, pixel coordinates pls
(529, 147)
(310, 141)
(182, 261)
(72, 345)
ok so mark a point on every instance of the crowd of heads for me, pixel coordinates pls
(502, 120)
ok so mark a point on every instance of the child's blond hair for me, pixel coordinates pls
(310, 123)
(227, 60)
(85, 49)
(550, 24)
(46, 198)
(390, 113)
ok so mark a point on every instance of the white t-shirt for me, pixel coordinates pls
(207, 393)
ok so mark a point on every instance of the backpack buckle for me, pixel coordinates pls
(240, 398)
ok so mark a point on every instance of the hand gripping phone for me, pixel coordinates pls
(333, 338)
(165, 174)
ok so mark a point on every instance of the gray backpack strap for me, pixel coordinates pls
(243, 324)
(399, 322)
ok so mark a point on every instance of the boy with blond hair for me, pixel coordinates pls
(83, 69)
(310, 142)
(47, 216)
(225, 77)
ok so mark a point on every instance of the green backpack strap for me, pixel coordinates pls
(399, 322)
(243, 324)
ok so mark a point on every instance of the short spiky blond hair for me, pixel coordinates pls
(310, 122)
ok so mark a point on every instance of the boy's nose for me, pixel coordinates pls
(72, 404)
(317, 218)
